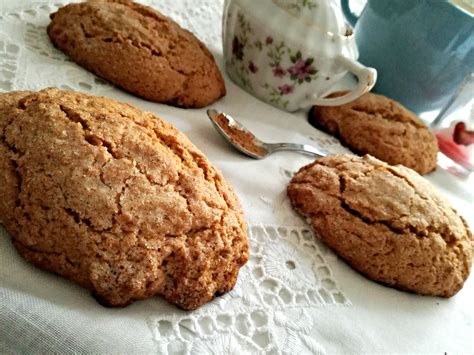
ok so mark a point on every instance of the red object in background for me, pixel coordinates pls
(461, 135)
(457, 143)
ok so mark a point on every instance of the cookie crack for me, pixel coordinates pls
(396, 230)
(183, 194)
(443, 230)
(91, 138)
(77, 217)
(151, 47)
(177, 150)
(200, 162)
(135, 43)
(73, 116)
(174, 148)
(94, 140)
(118, 39)
(18, 154)
(19, 178)
(383, 115)
(167, 142)
(68, 210)
(141, 10)
(15, 170)
(407, 181)
(119, 195)
(85, 32)
(101, 175)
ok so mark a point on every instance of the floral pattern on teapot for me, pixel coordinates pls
(289, 61)
(292, 68)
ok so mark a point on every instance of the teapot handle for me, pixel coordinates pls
(351, 18)
(366, 80)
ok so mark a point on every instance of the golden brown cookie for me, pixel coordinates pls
(116, 199)
(386, 221)
(376, 125)
(138, 49)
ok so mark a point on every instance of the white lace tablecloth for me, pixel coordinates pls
(293, 297)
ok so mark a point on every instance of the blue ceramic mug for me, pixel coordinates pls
(422, 50)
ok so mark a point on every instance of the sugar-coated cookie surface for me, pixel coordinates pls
(138, 49)
(376, 125)
(116, 199)
(386, 221)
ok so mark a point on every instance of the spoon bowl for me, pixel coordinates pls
(246, 142)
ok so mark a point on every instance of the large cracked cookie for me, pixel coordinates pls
(376, 125)
(116, 199)
(138, 49)
(386, 221)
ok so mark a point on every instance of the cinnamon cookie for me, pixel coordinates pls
(138, 49)
(387, 222)
(116, 199)
(376, 125)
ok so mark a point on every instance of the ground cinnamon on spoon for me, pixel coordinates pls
(242, 138)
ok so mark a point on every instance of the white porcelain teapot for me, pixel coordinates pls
(290, 53)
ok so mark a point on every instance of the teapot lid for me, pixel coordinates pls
(325, 15)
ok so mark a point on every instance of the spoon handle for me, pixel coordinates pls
(304, 148)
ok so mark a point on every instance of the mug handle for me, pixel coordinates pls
(351, 18)
(366, 80)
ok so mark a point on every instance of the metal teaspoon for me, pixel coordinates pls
(244, 141)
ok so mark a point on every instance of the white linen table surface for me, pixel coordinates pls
(294, 295)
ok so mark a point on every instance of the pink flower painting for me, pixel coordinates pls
(279, 72)
(286, 89)
(237, 48)
(301, 70)
(252, 67)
